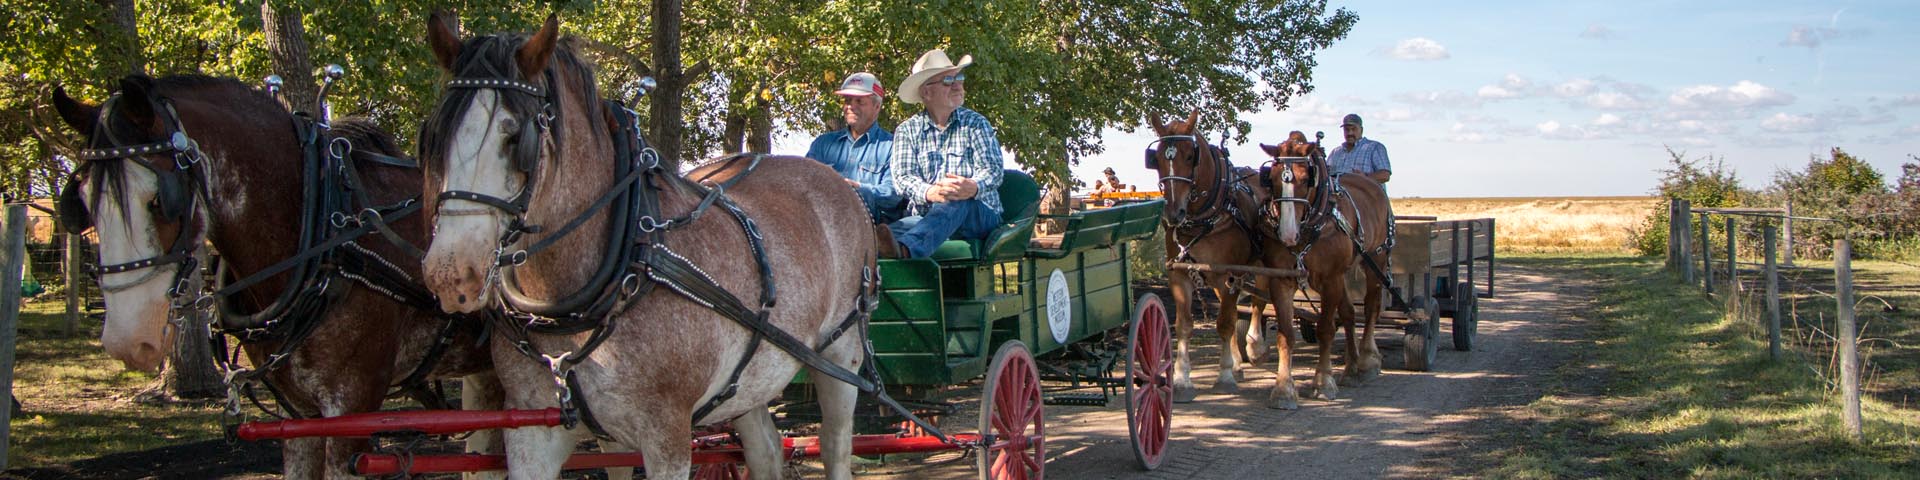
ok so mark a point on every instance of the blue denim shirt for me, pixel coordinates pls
(866, 160)
(1367, 156)
(968, 147)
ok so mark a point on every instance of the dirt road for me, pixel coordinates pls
(1403, 424)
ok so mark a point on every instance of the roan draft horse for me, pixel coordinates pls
(1329, 224)
(614, 284)
(177, 162)
(1211, 216)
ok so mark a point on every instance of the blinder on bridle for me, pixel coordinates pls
(174, 191)
(526, 154)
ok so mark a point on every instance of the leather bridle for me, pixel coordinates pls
(176, 192)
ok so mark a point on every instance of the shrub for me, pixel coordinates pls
(1706, 182)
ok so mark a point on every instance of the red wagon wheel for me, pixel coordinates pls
(1149, 383)
(1010, 414)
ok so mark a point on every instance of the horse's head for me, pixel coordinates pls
(1192, 173)
(491, 144)
(1296, 181)
(136, 184)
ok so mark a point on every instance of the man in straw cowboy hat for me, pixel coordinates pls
(862, 151)
(946, 160)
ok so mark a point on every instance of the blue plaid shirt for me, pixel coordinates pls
(1367, 156)
(923, 154)
(865, 160)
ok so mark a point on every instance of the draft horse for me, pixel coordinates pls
(1211, 216)
(1327, 223)
(329, 318)
(614, 284)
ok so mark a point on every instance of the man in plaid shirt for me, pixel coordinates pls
(1360, 154)
(946, 160)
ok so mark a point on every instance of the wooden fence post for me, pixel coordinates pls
(1673, 238)
(1787, 253)
(1773, 297)
(1686, 239)
(192, 373)
(71, 263)
(13, 256)
(1849, 354)
(1733, 263)
(1706, 253)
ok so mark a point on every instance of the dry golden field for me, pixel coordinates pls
(1544, 224)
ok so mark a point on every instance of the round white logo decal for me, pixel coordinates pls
(1059, 306)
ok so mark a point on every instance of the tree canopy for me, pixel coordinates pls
(1050, 74)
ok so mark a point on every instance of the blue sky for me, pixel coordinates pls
(1503, 98)
(1581, 98)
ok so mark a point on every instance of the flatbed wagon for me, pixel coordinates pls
(1441, 268)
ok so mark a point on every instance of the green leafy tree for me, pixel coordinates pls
(1841, 187)
(1704, 182)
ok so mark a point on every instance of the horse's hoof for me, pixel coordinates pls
(1226, 384)
(1185, 394)
(1283, 402)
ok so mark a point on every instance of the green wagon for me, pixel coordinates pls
(991, 307)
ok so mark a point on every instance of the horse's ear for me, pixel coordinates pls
(1193, 119)
(1158, 127)
(443, 37)
(538, 51)
(136, 100)
(80, 116)
(1272, 150)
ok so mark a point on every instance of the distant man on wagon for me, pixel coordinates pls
(946, 160)
(1360, 154)
(862, 152)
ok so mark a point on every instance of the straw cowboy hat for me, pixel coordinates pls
(932, 64)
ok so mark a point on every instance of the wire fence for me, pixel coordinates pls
(1844, 325)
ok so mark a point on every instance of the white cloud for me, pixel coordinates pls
(1790, 123)
(1617, 101)
(1578, 87)
(1740, 95)
(1511, 86)
(1439, 98)
(1906, 101)
(1419, 48)
(1597, 31)
(1693, 142)
(1554, 130)
(1813, 37)
(1606, 120)
(1397, 115)
(1910, 130)
(1462, 133)
(1548, 127)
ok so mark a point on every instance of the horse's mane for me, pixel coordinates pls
(493, 56)
(364, 134)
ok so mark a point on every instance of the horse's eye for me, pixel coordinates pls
(153, 205)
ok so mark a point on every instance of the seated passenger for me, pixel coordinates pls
(861, 152)
(946, 160)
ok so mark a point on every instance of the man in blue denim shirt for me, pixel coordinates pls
(946, 160)
(862, 151)
(1360, 154)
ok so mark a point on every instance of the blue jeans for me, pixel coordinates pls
(965, 220)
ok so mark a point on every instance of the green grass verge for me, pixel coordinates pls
(1670, 387)
(79, 403)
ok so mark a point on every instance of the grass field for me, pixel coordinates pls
(80, 404)
(1557, 224)
(1674, 387)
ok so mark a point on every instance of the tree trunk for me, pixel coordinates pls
(190, 371)
(734, 133)
(760, 128)
(287, 45)
(123, 16)
(665, 121)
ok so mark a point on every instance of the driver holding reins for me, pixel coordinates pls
(1360, 154)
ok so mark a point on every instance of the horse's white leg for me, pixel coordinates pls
(304, 458)
(1284, 395)
(1183, 389)
(616, 473)
(837, 403)
(1230, 330)
(482, 391)
(1256, 344)
(760, 442)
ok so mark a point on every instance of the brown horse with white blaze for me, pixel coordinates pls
(519, 152)
(154, 195)
(1210, 217)
(1326, 223)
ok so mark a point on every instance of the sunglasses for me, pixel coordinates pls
(949, 80)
